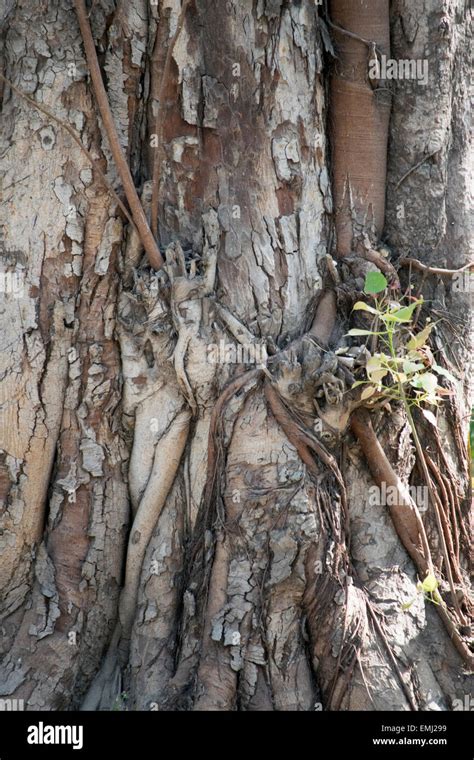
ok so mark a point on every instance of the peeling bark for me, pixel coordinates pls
(175, 526)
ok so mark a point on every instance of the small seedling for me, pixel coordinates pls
(429, 588)
(402, 370)
(405, 370)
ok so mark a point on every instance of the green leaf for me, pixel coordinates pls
(444, 372)
(375, 362)
(375, 282)
(410, 367)
(427, 381)
(430, 584)
(419, 340)
(362, 306)
(378, 374)
(367, 392)
(356, 331)
(404, 314)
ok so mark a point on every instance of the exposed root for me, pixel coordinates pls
(187, 292)
(407, 262)
(235, 327)
(216, 681)
(405, 515)
(325, 317)
(393, 659)
(442, 505)
(415, 167)
(139, 218)
(168, 453)
(305, 442)
(215, 449)
(210, 584)
(406, 519)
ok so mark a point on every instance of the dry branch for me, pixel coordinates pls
(434, 270)
(136, 208)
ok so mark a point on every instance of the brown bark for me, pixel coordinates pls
(262, 576)
(359, 118)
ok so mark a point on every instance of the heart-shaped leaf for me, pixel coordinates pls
(444, 372)
(427, 381)
(375, 282)
(410, 367)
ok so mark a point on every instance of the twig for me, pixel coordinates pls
(138, 214)
(434, 270)
(76, 139)
(159, 121)
(414, 168)
(370, 43)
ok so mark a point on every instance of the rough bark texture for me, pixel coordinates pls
(174, 534)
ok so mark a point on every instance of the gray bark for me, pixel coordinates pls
(154, 555)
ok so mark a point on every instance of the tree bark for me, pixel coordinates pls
(181, 528)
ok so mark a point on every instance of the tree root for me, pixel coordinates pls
(139, 218)
(407, 262)
(216, 693)
(305, 442)
(210, 586)
(168, 453)
(406, 519)
(405, 515)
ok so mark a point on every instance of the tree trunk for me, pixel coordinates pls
(181, 525)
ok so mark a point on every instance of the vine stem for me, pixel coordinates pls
(429, 484)
(138, 214)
